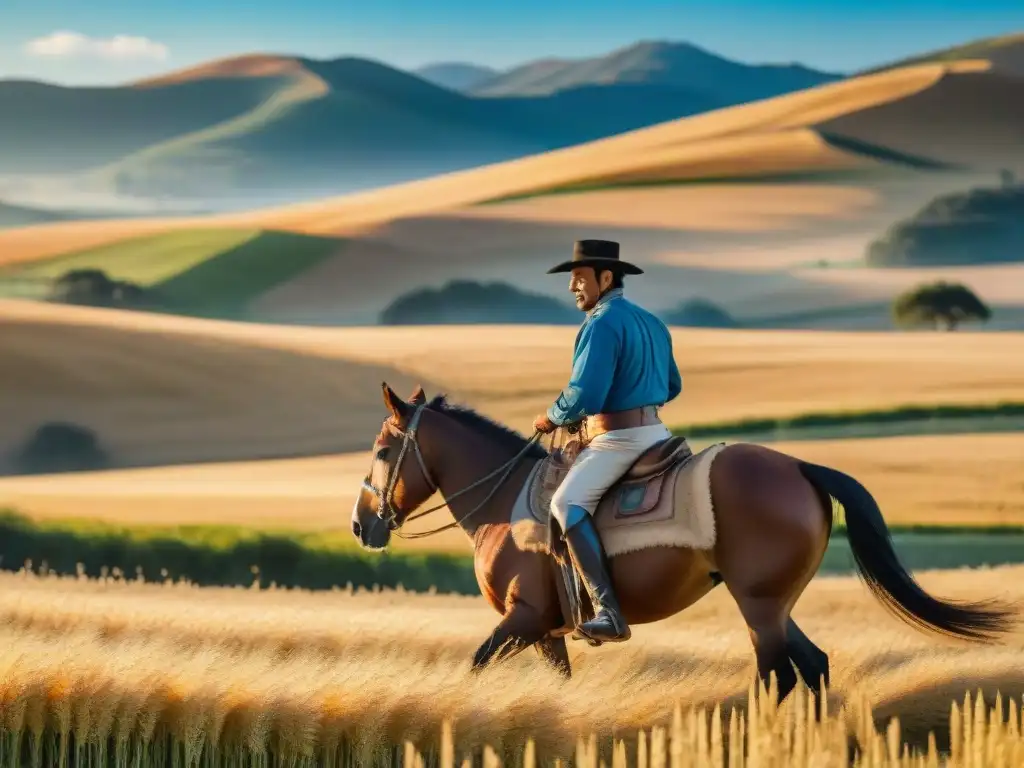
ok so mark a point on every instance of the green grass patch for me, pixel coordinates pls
(209, 272)
(224, 285)
(907, 416)
(939, 549)
(235, 556)
(146, 261)
(224, 556)
(923, 529)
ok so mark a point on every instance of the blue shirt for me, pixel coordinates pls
(622, 359)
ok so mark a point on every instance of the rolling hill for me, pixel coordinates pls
(209, 272)
(344, 124)
(268, 122)
(748, 207)
(1005, 53)
(268, 129)
(20, 216)
(28, 215)
(54, 129)
(262, 128)
(955, 111)
(161, 389)
(163, 394)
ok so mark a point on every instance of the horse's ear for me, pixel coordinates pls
(398, 407)
(419, 397)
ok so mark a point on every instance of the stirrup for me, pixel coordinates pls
(624, 634)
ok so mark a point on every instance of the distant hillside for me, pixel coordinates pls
(663, 65)
(844, 153)
(456, 76)
(258, 129)
(958, 114)
(1006, 54)
(53, 129)
(355, 123)
(18, 216)
(12, 215)
(975, 227)
(622, 107)
(968, 119)
(264, 125)
(349, 123)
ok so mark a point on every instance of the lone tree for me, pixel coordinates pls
(940, 304)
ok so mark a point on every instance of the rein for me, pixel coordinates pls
(386, 507)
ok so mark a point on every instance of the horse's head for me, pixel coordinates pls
(398, 481)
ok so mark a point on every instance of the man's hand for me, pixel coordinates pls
(543, 424)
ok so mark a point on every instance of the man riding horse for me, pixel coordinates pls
(623, 370)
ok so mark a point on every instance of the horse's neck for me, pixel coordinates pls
(471, 458)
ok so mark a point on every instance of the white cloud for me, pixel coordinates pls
(73, 45)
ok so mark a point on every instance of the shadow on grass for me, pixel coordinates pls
(224, 285)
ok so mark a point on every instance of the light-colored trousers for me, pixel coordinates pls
(600, 465)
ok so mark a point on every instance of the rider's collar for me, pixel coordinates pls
(605, 298)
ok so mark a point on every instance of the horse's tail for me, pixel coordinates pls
(886, 577)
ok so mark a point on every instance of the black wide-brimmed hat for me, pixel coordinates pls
(596, 253)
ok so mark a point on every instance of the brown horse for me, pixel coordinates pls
(773, 516)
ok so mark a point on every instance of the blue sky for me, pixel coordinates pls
(159, 35)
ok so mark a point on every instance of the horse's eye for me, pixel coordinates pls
(382, 453)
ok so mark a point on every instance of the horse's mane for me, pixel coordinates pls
(507, 438)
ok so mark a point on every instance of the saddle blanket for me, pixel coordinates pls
(672, 508)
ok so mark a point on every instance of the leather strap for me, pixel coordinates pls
(634, 417)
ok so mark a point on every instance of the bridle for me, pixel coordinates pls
(388, 512)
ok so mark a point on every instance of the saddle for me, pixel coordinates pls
(645, 493)
(636, 491)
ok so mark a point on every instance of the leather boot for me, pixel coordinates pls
(587, 553)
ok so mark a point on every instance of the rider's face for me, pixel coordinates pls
(584, 285)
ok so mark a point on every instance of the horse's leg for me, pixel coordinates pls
(810, 660)
(767, 625)
(553, 650)
(520, 627)
(772, 535)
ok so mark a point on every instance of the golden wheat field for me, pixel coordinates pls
(196, 415)
(115, 672)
